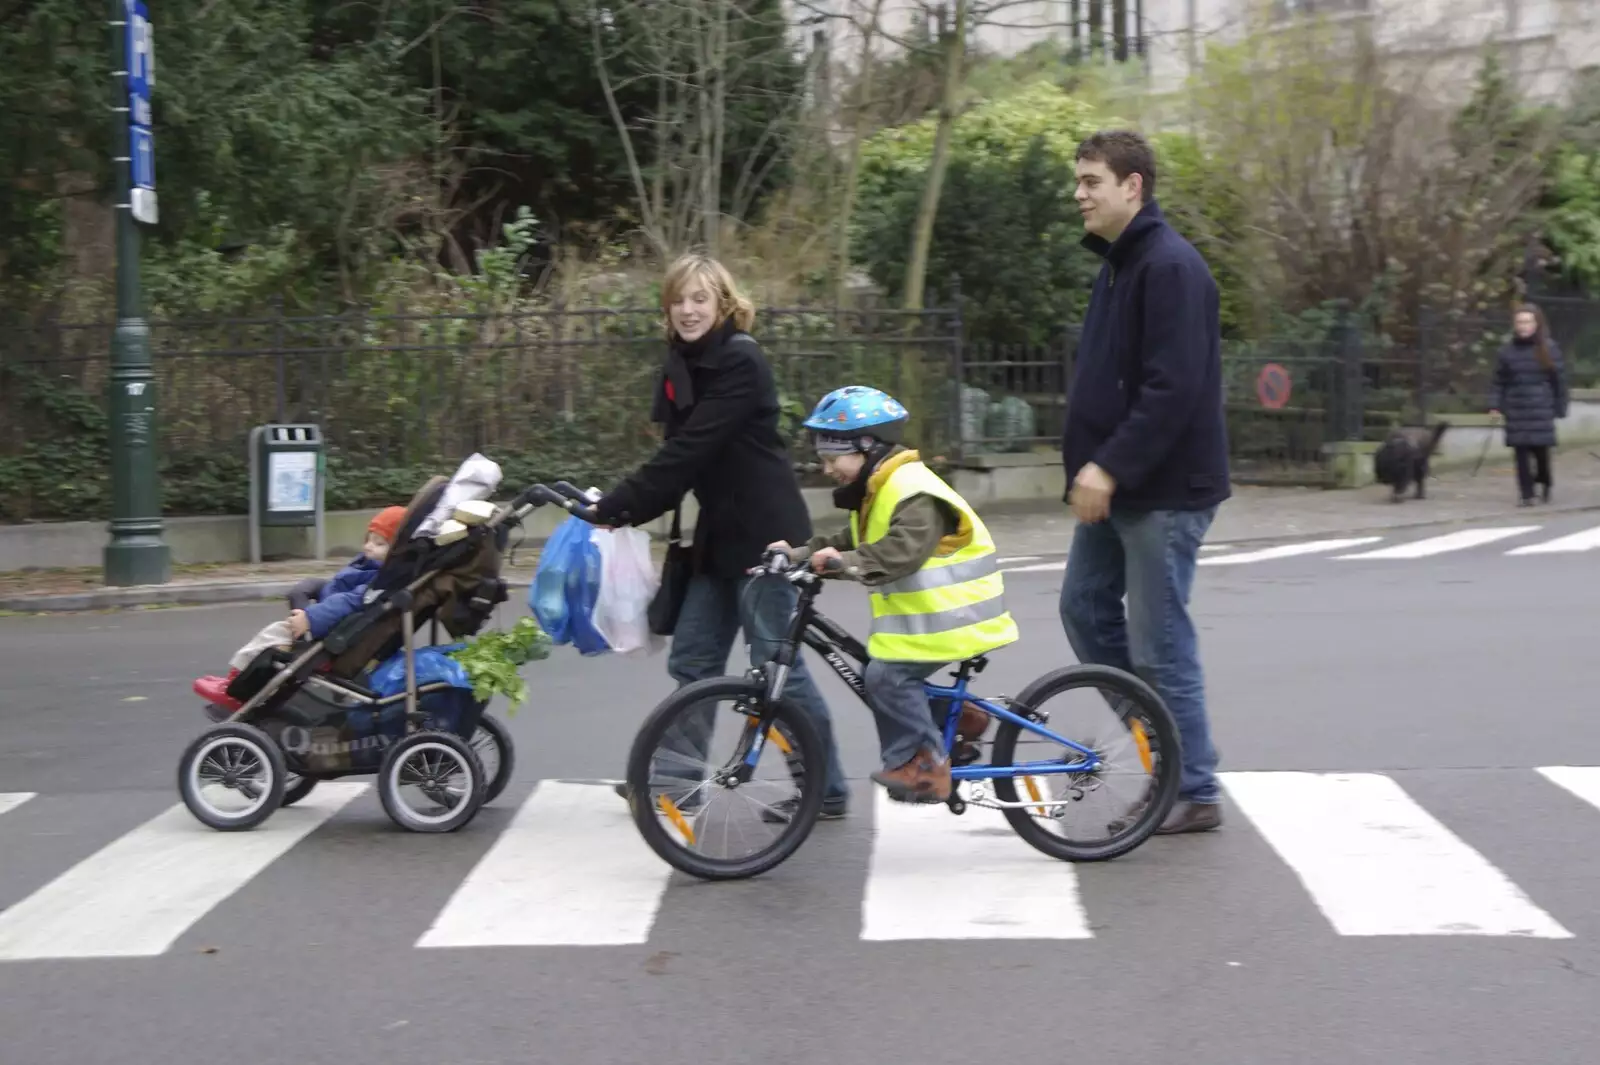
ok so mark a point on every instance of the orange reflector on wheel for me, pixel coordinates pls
(776, 737)
(1033, 793)
(675, 815)
(1143, 743)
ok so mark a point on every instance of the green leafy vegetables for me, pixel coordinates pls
(493, 661)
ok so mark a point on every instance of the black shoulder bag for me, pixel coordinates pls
(675, 574)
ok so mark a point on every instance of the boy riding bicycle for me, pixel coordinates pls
(937, 596)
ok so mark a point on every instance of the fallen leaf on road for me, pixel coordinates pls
(656, 964)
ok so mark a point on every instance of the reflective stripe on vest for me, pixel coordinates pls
(954, 606)
(942, 576)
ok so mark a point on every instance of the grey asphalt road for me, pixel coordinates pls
(1454, 675)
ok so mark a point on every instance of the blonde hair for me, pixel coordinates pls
(688, 269)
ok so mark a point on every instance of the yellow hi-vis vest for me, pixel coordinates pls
(952, 608)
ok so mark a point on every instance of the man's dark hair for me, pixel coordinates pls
(1124, 152)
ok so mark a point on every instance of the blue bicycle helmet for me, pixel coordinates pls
(848, 414)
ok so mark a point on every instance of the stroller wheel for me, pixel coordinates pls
(493, 745)
(431, 781)
(228, 761)
(296, 788)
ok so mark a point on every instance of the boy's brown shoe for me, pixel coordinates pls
(924, 778)
(973, 722)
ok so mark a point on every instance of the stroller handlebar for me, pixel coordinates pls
(563, 495)
(571, 491)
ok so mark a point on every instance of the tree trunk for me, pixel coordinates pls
(841, 256)
(719, 127)
(922, 234)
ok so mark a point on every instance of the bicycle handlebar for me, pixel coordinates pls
(777, 563)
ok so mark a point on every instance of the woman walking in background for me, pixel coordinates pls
(1530, 392)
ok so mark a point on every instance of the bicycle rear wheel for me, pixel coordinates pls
(1127, 797)
(686, 804)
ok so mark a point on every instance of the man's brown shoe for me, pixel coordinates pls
(1191, 817)
(925, 778)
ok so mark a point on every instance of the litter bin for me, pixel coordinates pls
(287, 481)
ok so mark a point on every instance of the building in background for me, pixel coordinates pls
(1544, 44)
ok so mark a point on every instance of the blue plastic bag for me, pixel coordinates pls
(448, 710)
(583, 591)
(547, 595)
(434, 666)
(566, 586)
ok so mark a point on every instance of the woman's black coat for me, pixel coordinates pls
(718, 402)
(1529, 397)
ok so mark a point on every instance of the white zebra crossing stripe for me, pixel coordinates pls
(1438, 545)
(1582, 780)
(1267, 554)
(138, 894)
(10, 800)
(1038, 567)
(569, 870)
(1377, 864)
(937, 876)
(1587, 540)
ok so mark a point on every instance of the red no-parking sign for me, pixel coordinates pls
(1272, 386)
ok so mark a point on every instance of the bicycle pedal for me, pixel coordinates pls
(965, 754)
(909, 801)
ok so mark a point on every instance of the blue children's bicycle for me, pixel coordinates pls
(677, 787)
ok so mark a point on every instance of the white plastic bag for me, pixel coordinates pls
(628, 582)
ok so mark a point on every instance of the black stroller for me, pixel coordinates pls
(306, 716)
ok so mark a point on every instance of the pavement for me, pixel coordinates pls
(1254, 514)
(1405, 873)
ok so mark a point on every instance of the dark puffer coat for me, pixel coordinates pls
(1530, 397)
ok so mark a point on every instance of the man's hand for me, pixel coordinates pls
(820, 559)
(1091, 494)
(298, 624)
(779, 545)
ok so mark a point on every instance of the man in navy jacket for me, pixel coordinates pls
(1146, 452)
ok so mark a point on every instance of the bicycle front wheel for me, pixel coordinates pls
(733, 816)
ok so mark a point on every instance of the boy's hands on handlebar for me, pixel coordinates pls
(820, 560)
(826, 559)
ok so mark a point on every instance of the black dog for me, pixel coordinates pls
(1403, 458)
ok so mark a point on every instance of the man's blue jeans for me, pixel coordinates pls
(714, 610)
(1149, 556)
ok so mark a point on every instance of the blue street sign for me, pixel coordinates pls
(141, 141)
(142, 148)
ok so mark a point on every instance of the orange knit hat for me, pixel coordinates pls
(386, 523)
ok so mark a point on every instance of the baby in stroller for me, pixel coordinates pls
(316, 607)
